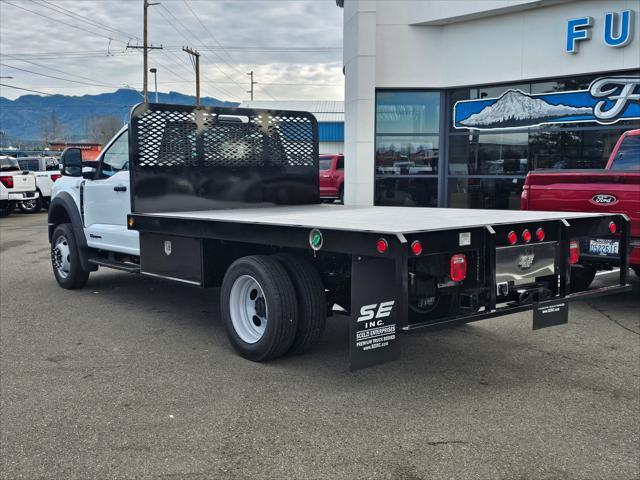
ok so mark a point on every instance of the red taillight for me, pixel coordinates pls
(416, 247)
(458, 267)
(526, 236)
(574, 252)
(613, 227)
(540, 234)
(512, 238)
(382, 245)
(55, 177)
(7, 181)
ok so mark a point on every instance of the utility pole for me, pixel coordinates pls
(252, 84)
(145, 48)
(196, 56)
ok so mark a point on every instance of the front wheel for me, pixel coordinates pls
(31, 206)
(637, 271)
(259, 308)
(65, 258)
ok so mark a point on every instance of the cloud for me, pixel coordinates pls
(293, 47)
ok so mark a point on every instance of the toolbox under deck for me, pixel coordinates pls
(387, 220)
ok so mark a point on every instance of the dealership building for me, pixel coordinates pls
(451, 103)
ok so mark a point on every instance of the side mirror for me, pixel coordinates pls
(71, 162)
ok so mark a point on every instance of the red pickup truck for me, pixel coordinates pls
(616, 189)
(332, 176)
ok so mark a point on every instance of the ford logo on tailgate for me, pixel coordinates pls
(604, 199)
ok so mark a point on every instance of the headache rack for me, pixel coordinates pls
(203, 158)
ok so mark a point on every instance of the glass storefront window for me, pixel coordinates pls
(407, 155)
(489, 154)
(408, 192)
(490, 193)
(408, 112)
(572, 149)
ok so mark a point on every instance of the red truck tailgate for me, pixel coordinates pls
(587, 191)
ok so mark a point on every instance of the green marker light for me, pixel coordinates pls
(315, 239)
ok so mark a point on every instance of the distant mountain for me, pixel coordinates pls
(23, 117)
(515, 108)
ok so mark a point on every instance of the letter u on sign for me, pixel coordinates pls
(618, 28)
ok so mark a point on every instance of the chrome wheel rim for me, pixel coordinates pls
(61, 256)
(248, 309)
(29, 204)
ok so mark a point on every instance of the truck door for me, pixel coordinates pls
(107, 201)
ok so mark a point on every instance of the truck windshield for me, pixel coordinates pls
(628, 155)
(8, 163)
(325, 163)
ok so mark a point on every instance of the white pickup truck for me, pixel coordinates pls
(46, 171)
(230, 198)
(16, 185)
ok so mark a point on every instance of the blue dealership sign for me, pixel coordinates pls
(606, 101)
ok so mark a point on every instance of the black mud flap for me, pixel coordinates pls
(374, 308)
(550, 313)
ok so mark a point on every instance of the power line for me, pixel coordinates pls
(230, 56)
(225, 92)
(25, 89)
(70, 13)
(60, 21)
(58, 78)
(197, 40)
(55, 70)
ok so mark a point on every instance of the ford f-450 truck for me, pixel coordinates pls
(223, 197)
(615, 189)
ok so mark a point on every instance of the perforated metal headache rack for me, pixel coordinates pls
(198, 158)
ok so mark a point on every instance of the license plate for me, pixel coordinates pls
(27, 195)
(601, 246)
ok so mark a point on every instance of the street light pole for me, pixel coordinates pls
(155, 80)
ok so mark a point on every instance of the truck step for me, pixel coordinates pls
(125, 266)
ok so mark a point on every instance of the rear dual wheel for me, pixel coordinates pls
(271, 306)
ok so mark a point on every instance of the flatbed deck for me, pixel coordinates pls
(386, 220)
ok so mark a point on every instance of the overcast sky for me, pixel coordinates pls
(293, 47)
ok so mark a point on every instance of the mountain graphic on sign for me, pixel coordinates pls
(516, 108)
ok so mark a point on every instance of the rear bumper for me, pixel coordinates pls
(21, 196)
(328, 192)
(499, 312)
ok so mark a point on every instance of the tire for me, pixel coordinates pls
(31, 206)
(581, 277)
(637, 271)
(6, 208)
(259, 330)
(65, 258)
(341, 194)
(312, 301)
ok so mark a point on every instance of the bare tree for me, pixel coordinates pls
(52, 129)
(101, 128)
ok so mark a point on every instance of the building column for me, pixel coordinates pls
(360, 80)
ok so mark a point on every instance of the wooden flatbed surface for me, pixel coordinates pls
(387, 220)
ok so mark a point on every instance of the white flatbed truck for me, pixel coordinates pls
(230, 197)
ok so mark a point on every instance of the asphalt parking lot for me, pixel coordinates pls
(132, 377)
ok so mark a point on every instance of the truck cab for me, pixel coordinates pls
(101, 194)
